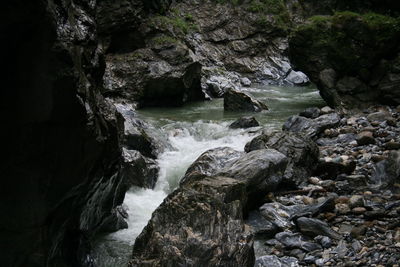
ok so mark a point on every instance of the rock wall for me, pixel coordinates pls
(60, 138)
(352, 58)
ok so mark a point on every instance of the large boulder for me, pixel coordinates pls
(235, 100)
(301, 151)
(199, 224)
(352, 58)
(210, 162)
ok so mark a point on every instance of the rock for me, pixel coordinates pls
(379, 116)
(301, 151)
(315, 227)
(245, 82)
(116, 221)
(392, 145)
(274, 261)
(329, 169)
(210, 162)
(297, 78)
(359, 231)
(244, 122)
(342, 208)
(164, 74)
(311, 127)
(365, 138)
(218, 85)
(325, 241)
(387, 172)
(235, 100)
(280, 215)
(356, 201)
(326, 110)
(260, 226)
(190, 226)
(60, 178)
(311, 113)
(261, 170)
(137, 170)
(355, 78)
(296, 240)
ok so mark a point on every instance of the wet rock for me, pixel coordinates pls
(137, 170)
(315, 227)
(274, 261)
(311, 127)
(116, 221)
(210, 162)
(311, 113)
(296, 240)
(244, 122)
(245, 82)
(279, 214)
(260, 226)
(387, 172)
(190, 226)
(235, 100)
(365, 138)
(301, 151)
(326, 110)
(297, 78)
(218, 85)
(330, 169)
(261, 170)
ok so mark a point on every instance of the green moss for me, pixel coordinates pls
(164, 39)
(178, 23)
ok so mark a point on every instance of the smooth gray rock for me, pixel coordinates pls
(235, 100)
(315, 227)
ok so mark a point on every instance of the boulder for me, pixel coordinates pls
(312, 127)
(244, 122)
(297, 78)
(311, 113)
(260, 226)
(199, 224)
(137, 170)
(365, 138)
(210, 162)
(301, 151)
(235, 100)
(261, 170)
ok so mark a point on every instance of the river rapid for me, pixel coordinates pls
(191, 130)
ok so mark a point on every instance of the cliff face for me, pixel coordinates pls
(59, 136)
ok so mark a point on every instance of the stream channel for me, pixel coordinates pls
(191, 130)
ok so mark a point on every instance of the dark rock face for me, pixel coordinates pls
(301, 151)
(235, 100)
(199, 224)
(60, 179)
(352, 58)
(311, 127)
(244, 122)
(138, 170)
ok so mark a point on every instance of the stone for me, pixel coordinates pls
(245, 81)
(261, 170)
(311, 113)
(379, 116)
(296, 240)
(235, 100)
(274, 261)
(137, 170)
(297, 78)
(356, 201)
(365, 138)
(325, 241)
(261, 227)
(387, 172)
(311, 127)
(326, 110)
(301, 152)
(193, 217)
(315, 227)
(244, 122)
(210, 162)
(392, 145)
(342, 208)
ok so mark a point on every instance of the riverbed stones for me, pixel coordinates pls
(235, 100)
(275, 261)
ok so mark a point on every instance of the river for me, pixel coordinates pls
(191, 130)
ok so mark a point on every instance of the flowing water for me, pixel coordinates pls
(192, 130)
